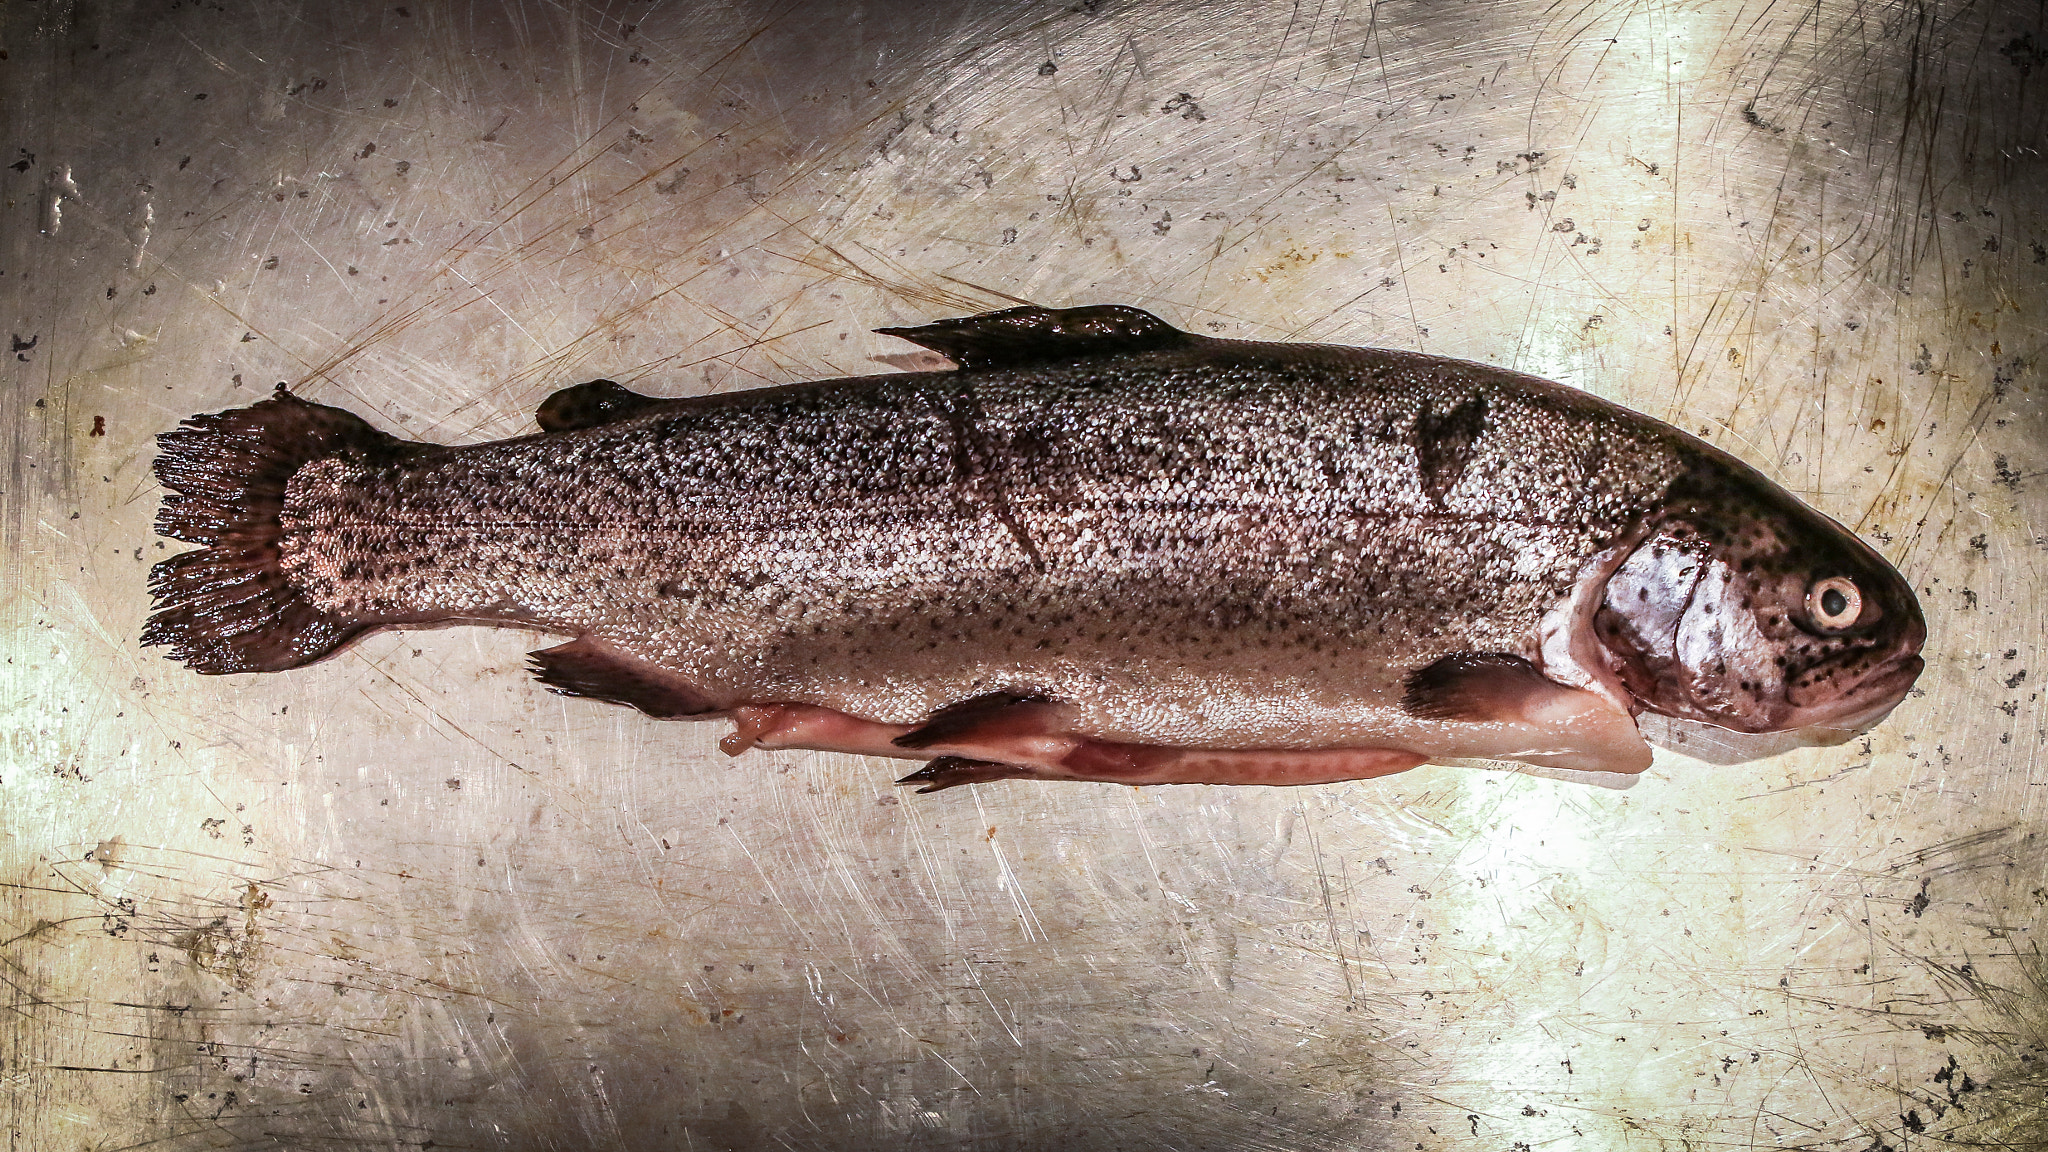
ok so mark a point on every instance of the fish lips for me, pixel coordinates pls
(1865, 702)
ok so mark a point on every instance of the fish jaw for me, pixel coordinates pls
(1864, 705)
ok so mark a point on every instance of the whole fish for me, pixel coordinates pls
(1100, 549)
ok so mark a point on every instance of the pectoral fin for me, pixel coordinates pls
(1504, 707)
(992, 719)
(1479, 688)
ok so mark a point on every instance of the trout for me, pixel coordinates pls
(1100, 549)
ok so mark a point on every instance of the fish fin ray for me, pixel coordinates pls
(952, 771)
(589, 405)
(1031, 334)
(989, 718)
(1477, 687)
(587, 666)
(229, 606)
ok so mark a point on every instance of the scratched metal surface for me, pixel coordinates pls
(404, 898)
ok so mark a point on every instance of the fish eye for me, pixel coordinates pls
(1834, 604)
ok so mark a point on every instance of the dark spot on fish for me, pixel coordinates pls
(1031, 445)
(1593, 460)
(1445, 444)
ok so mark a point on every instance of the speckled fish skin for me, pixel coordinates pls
(1183, 541)
(1210, 541)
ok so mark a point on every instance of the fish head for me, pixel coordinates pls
(1743, 608)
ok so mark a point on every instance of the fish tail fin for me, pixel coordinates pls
(229, 606)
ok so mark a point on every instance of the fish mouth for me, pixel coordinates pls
(1864, 703)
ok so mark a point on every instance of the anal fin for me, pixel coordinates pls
(587, 666)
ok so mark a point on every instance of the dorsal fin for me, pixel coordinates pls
(1031, 335)
(588, 405)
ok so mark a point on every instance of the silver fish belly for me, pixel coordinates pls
(1100, 549)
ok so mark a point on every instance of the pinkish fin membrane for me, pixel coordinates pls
(993, 717)
(1477, 687)
(1001, 736)
(1139, 764)
(228, 607)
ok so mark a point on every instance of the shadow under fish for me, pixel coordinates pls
(1101, 549)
